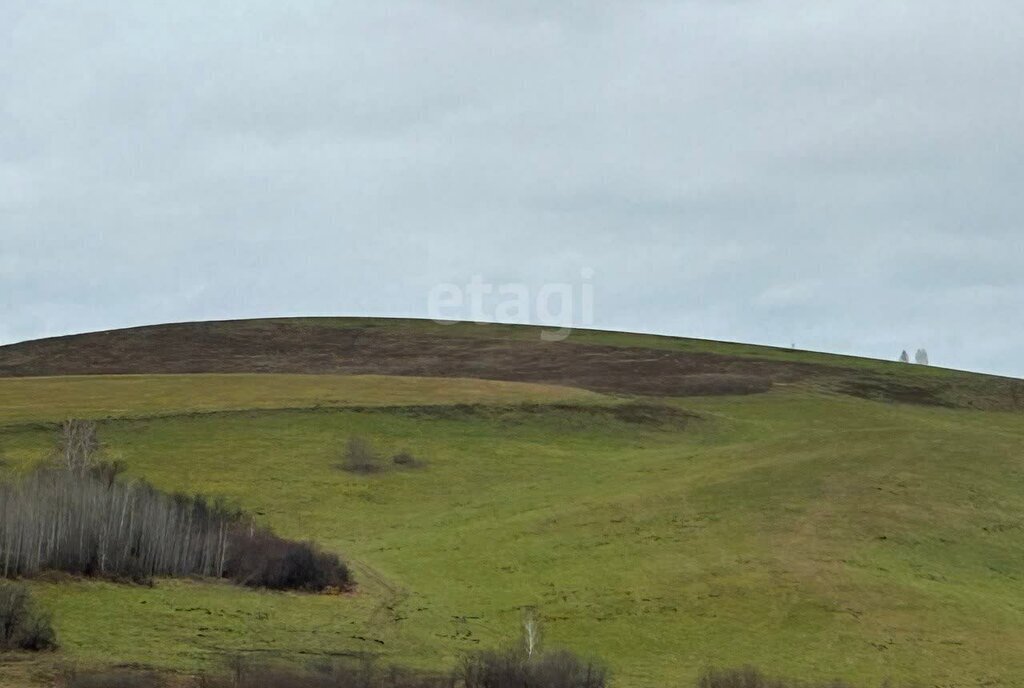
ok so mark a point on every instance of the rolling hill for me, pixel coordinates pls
(666, 504)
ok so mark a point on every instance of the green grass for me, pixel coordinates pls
(118, 396)
(813, 535)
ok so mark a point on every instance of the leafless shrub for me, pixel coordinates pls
(259, 558)
(360, 457)
(750, 677)
(108, 471)
(22, 625)
(121, 678)
(514, 669)
(404, 459)
(362, 674)
(78, 445)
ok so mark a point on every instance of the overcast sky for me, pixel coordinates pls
(841, 175)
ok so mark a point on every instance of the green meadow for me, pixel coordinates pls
(810, 533)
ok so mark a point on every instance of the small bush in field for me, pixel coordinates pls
(749, 677)
(262, 559)
(514, 669)
(404, 459)
(360, 457)
(22, 625)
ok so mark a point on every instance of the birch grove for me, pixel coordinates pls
(83, 524)
(92, 524)
(76, 515)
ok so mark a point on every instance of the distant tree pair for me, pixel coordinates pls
(921, 357)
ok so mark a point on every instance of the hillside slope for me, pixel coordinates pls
(840, 517)
(600, 361)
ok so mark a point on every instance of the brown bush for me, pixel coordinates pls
(121, 678)
(22, 625)
(360, 457)
(404, 459)
(749, 677)
(365, 674)
(259, 558)
(514, 669)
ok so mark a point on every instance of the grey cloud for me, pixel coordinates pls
(841, 176)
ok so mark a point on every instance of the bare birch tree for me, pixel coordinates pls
(533, 631)
(78, 445)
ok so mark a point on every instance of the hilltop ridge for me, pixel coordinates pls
(610, 362)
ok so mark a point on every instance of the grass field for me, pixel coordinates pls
(812, 534)
(120, 396)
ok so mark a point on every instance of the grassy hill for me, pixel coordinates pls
(665, 503)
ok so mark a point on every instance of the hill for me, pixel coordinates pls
(664, 503)
(594, 360)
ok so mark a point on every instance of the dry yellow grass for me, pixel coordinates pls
(124, 396)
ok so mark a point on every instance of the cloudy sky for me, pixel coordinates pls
(841, 175)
